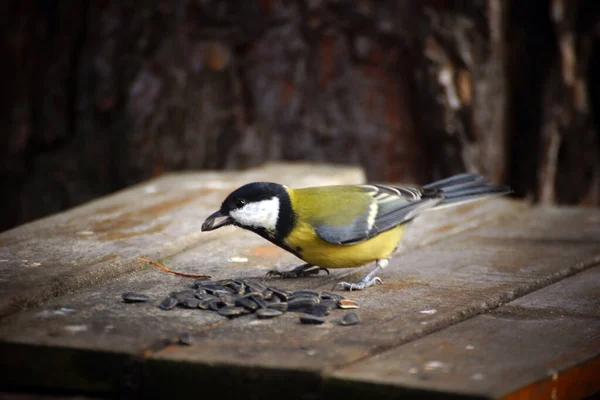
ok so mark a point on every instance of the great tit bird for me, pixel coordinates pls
(341, 226)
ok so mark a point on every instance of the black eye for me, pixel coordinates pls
(239, 203)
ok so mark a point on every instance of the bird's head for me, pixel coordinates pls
(255, 206)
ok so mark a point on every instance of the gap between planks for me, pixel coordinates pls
(469, 313)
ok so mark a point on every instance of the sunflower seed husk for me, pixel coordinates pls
(331, 296)
(216, 305)
(199, 282)
(236, 288)
(259, 301)
(347, 303)
(219, 293)
(183, 295)
(273, 299)
(279, 306)
(264, 313)
(191, 303)
(254, 295)
(319, 310)
(306, 292)
(131, 297)
(311, 319)
(329, 303)
(282, 295)
(205, 304)
(241, 289)
(302, 303)
(350, 318)
(232, 311)
(246, 303)
(254, 286)
(267, 294)
(168, 303)
(205, 296)
(211, 288)
(228, 298)
(305, 296)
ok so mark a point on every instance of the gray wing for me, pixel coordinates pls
(390, 206)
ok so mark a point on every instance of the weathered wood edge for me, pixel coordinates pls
(571, 378)
(577, 382)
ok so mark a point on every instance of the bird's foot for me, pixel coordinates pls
(360, 285)
(298, 272)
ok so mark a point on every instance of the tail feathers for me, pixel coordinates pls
(464, 188)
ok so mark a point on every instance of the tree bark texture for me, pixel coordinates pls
(99, 95)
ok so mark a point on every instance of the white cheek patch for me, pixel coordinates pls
(260, 214)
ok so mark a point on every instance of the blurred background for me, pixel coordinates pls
(99, 95)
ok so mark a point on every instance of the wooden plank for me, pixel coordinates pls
(426, 289)
(101, 240)
(543, 345)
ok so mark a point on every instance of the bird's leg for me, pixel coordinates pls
(300, 271)
(369, 280)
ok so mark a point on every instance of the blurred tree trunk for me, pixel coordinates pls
(100, 95)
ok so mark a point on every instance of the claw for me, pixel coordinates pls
(360, 285)
(282, 274)
(298, 272)
(274, 273)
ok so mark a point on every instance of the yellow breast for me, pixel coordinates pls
(316, 251)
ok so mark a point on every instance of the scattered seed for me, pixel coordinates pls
(131, 297)
(311, 319)
(168, 303)
(264, 313)
(185, 339)
(347, 303)
(236, 297)
(350, 318)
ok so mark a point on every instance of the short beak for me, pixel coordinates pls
(209, 224)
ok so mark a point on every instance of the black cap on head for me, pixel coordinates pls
(250, 193)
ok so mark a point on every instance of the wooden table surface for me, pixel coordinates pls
(494, 299)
